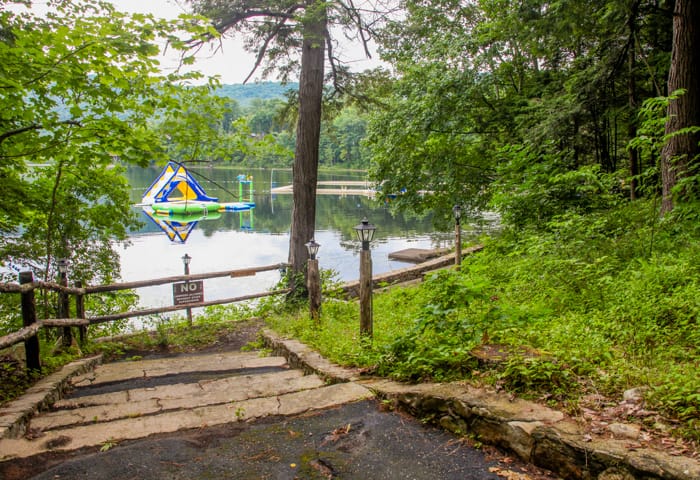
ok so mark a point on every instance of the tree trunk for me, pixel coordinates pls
(305, 171)
(632, 99)
(679, 154)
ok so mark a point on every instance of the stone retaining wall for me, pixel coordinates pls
(537, 434)
(15, 415)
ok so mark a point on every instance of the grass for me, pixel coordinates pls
(590, 305)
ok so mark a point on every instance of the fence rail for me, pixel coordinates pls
(32, 325)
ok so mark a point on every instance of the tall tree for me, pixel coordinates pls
(287, 37)
(79, 86)
(680, 157)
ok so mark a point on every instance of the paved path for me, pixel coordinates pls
(189, 417)
(131, 400)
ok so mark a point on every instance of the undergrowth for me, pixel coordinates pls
(591, 304)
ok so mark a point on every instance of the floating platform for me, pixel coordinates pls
(417, 255)
(337, 187)
(199, 208)
(185, 208)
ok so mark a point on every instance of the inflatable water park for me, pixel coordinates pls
(175, 201)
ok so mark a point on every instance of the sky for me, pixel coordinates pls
(231, 63)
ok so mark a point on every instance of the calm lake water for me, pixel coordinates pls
(261, 237)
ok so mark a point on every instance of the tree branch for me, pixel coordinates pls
(60, 61)
(223, 25)
(354, 14)
(263, 49)
(36, 126)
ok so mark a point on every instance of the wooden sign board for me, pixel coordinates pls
(188, 292)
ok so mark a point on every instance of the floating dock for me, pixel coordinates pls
(334, 187)
(417, 255)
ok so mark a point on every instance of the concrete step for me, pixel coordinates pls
(219, 362)
(112, 432)
(119, 401)
(150, 401)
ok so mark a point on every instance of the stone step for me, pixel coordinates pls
(149, 401)
(219, 362)
(106, 433)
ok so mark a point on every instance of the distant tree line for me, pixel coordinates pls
(260, 131)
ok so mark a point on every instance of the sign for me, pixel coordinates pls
(188, 292)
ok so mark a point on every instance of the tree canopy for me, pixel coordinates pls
(527, 105)
(80, 88)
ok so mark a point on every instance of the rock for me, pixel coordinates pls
(634, 395)
(615, 474)
(624, 430)
(454, 425)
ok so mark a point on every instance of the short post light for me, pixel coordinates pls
(313, 280)
(457, 212)
(186, 259)
(64, 299)
(365, 233)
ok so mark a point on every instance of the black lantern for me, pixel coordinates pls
(62, 266)
(312, 247)
(365, 232)
(186, 259)
(457, 212)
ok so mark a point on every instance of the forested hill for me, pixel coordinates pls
(245, 93)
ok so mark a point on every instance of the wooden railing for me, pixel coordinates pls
(32, 325)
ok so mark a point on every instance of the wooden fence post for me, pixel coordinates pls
(366, 314)
(80, 312)
(64, 307)
(314, 288)
(31, 345)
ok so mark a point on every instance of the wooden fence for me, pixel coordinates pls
(31, 325)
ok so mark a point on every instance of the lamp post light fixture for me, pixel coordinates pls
(457, 212)
(64, 300)
(313, 280)
(186, 259)
(62, 264)
(365, 233)
(312, 247)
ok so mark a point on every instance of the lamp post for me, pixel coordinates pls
(186, 259)
(313, 280)
(365, 233)
(64, 300)
(457, 212)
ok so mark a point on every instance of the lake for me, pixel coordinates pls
(261, 236)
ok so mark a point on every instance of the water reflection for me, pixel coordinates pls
(261, 236)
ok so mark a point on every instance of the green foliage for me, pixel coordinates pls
(197, 130)
(538, 376)
(459, 312)
(431, 138)
(14, 379)
(597, 302)
(246, 94)
(536, 185)
(79, 88)
(530, 103)
(342, 138)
